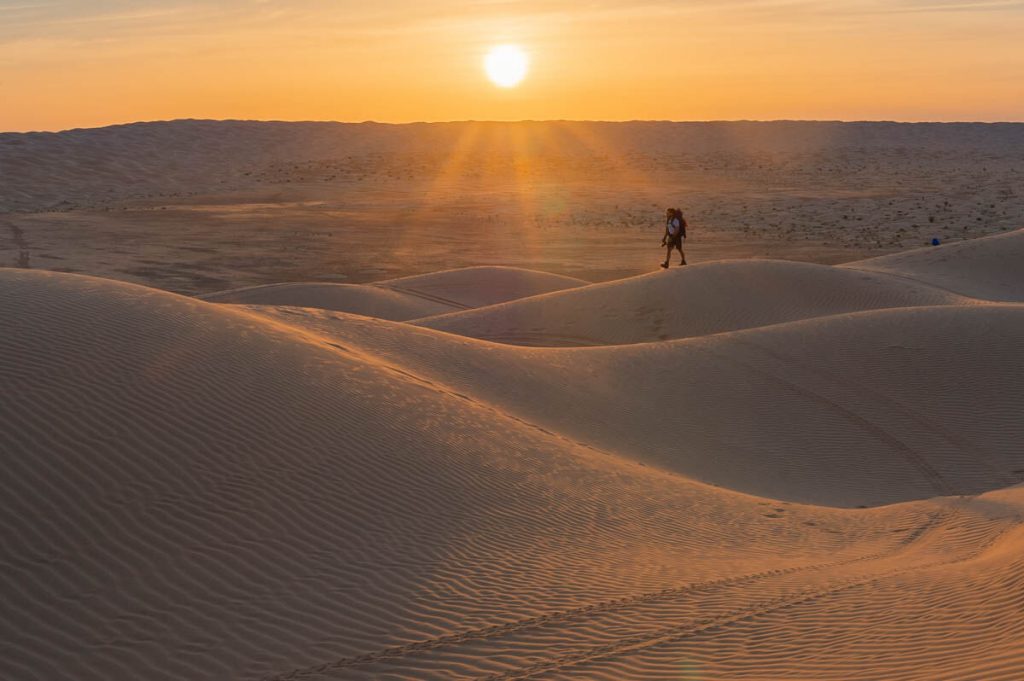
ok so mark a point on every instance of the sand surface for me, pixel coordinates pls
(198, 207)
(291, 487)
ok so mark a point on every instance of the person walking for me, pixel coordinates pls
(675, 235)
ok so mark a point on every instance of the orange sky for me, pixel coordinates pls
(80, 63)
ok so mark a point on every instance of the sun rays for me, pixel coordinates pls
(530, 171)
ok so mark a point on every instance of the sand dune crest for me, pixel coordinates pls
(409, 297)
(370, 301)
(692, 301)
(988, 268)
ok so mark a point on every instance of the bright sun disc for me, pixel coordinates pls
(506, 65)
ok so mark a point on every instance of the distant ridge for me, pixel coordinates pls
(81, 166)
(782, 122)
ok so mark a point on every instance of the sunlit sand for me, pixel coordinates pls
(199, 207)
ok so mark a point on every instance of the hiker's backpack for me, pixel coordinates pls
(682, 223)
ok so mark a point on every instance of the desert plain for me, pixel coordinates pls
(324, 401)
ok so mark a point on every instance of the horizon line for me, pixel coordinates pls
(662, 121)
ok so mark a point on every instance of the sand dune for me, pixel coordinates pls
(689, 301)
(409, 297)
(210, 491)
(226, 497)
(371, 301)
(472, 287)
(854, 409)
(988, 268)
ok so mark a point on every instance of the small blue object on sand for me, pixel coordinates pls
(935, 242)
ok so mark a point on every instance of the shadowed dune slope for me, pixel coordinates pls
(472, 287)
(865, 408)
(193, 491)
(370, 301)
(690, 301)
(991, 268)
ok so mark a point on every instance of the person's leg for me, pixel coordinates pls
(668, 255)
(682, 255)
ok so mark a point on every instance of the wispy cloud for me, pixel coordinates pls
(958, 6)
(85, 19)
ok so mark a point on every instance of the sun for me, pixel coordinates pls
(506, 65)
